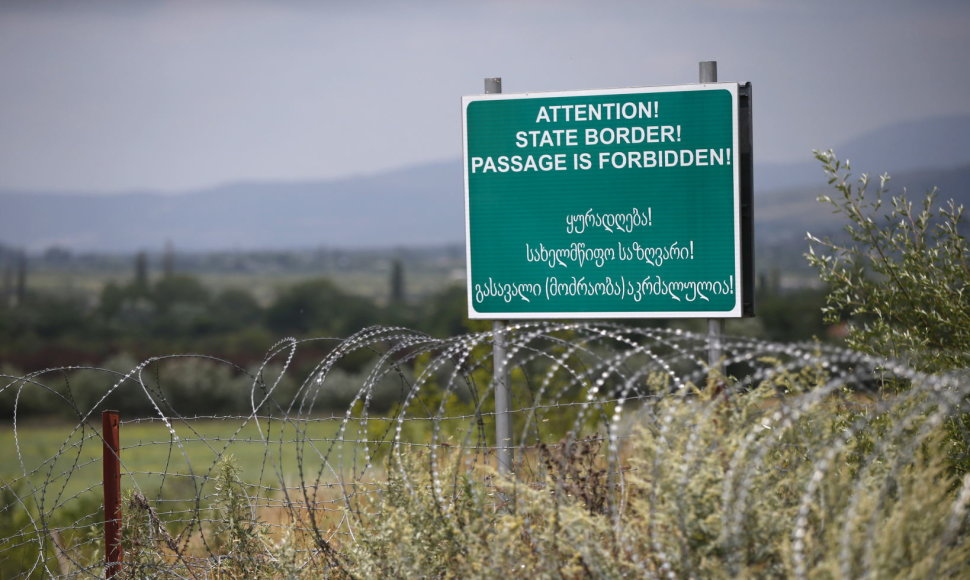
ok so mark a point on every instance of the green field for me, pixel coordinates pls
(56, 462)
(51, 475)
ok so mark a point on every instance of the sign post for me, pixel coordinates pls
(620, 203)
(500, 372)
(707, 73)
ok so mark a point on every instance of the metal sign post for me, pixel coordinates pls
(715, 326)
(500, 372)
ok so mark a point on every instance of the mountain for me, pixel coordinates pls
(417, 206)
(794, 211)
(782, 218)
(918, 156)
(424, 205)
(935, 143)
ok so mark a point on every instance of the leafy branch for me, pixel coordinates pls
(899, 277)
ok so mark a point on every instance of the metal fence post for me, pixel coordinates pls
(111, 463)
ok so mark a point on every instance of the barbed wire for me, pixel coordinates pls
(311, 450)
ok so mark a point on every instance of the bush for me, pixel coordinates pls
(901, 279)
(900, 276)
(821, 483)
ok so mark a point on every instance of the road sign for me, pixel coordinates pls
(621, 203)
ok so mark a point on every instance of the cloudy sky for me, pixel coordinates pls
(108, 96)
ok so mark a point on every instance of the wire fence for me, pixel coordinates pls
(312, 441)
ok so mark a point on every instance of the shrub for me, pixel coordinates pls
(900, 276)
(711, 487)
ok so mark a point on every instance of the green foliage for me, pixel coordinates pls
(234, 309)
(145, 538)
(69, 540)
(792, 315)
(238, 543)
(177, 384)
(237, 536)
(318, 306)
(131, 321)
(445, 313)
(18, 543)
(576, 471)
(900, 277)
(243, 543)
(466, 532)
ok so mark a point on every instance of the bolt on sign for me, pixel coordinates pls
(622, 203)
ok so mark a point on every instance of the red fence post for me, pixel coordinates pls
(112, 493)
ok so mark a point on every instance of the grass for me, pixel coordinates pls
(62, 461)
(57, 474)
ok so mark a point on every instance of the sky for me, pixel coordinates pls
(169, 96)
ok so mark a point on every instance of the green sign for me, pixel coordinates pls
(603, 204)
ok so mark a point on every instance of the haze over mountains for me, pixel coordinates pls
(424, 205)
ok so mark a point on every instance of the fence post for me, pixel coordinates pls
(111, 463)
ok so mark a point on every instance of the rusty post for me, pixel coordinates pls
(111, 462)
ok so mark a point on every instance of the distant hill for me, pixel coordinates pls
(937, 143)
(797, 210)
(424, 205)
(418, 206)
(782, 218)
